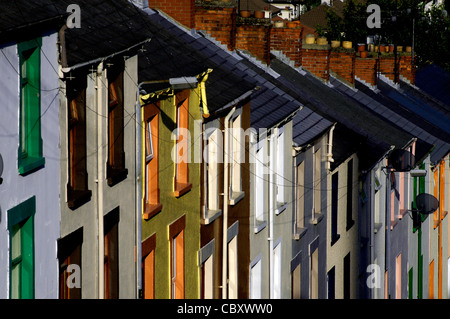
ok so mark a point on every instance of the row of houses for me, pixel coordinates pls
(174, 150)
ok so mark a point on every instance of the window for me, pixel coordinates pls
(398, 277)
(30, 141)
(314, 275)
(206, 257)
(69, 256)
(347, 276)
(317, 178)
(237, 151)
(261, 185)
(77, 188)
(176, 235)
(296, 282)
(350, 184)
(280, 174)
(21, 256)
(277, 271)
(334, 207)
(152, 203)
(148, 267)
(183, 146)
(213, 156)
(232, 268)
(300, 202)
(115, 169)
(331, 282)
(111, 258)
(431, 280)
(255, 278)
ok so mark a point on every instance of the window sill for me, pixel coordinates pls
(29, 164)
(210, 215)
(260, 225)
(376, 227)
(78, 198)
(317, 218)
(350, 224)
(335, 238)
(394, 223)
(181, 189)
(151, 210)
(236, 197)
(402, 213)
(281, 208)
(299, 232)
(116, 175)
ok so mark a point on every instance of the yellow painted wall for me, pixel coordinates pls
(172, 207)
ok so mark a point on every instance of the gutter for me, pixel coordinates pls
(101, 59)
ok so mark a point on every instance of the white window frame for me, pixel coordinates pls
(261, 183)
(237, 149)
(256, 278)
(277, 265)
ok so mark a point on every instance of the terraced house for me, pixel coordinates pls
(179, 150)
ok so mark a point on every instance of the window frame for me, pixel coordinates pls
(148, 267)
(30, 150)
(237, 149)
(177, 265)
(116, 170)
(151, 192)
(181, 178)
(261, 198)
(22, 216)
(78, 192)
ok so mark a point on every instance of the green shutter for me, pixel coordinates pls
(30, 141)
(21, 255)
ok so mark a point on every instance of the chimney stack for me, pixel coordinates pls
(181, 10)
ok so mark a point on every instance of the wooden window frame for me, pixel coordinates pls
(22, 217)
(148, 267)
(152, 203)
(69, 252)
(111, 254)
(334, 207)
(181, 179)
(115, 166)
(30, 154)
(177, 253)
(77, 185)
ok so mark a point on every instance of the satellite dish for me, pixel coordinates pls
(426, 203)
(401, 160)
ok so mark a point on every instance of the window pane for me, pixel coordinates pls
(15, 281)
(149, 142)
(16, 240)
(255, 281)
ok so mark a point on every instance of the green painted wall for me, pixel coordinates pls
(173, 208)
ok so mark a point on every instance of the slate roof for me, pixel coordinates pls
(107, 26)
(435, 81)
(358, 129)
(403, 112)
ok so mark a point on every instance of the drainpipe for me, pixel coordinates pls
(225, 205)
(100, 179)
(330, 147)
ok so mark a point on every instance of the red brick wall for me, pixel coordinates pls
(181, 10)
(366, 70)
(387, 68)
(289, 41)
(254, 38)
(343, 64)
(317, 62)
(407, 70)
(220, 23)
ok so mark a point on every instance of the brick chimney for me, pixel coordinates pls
(342, 65)
(366, 70)
(316, 60)
(181, 10)
(286, 44)
(254, 38)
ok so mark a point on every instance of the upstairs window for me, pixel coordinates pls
(77, 187)
(181, 182)
(116, 170)
(30, 141)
